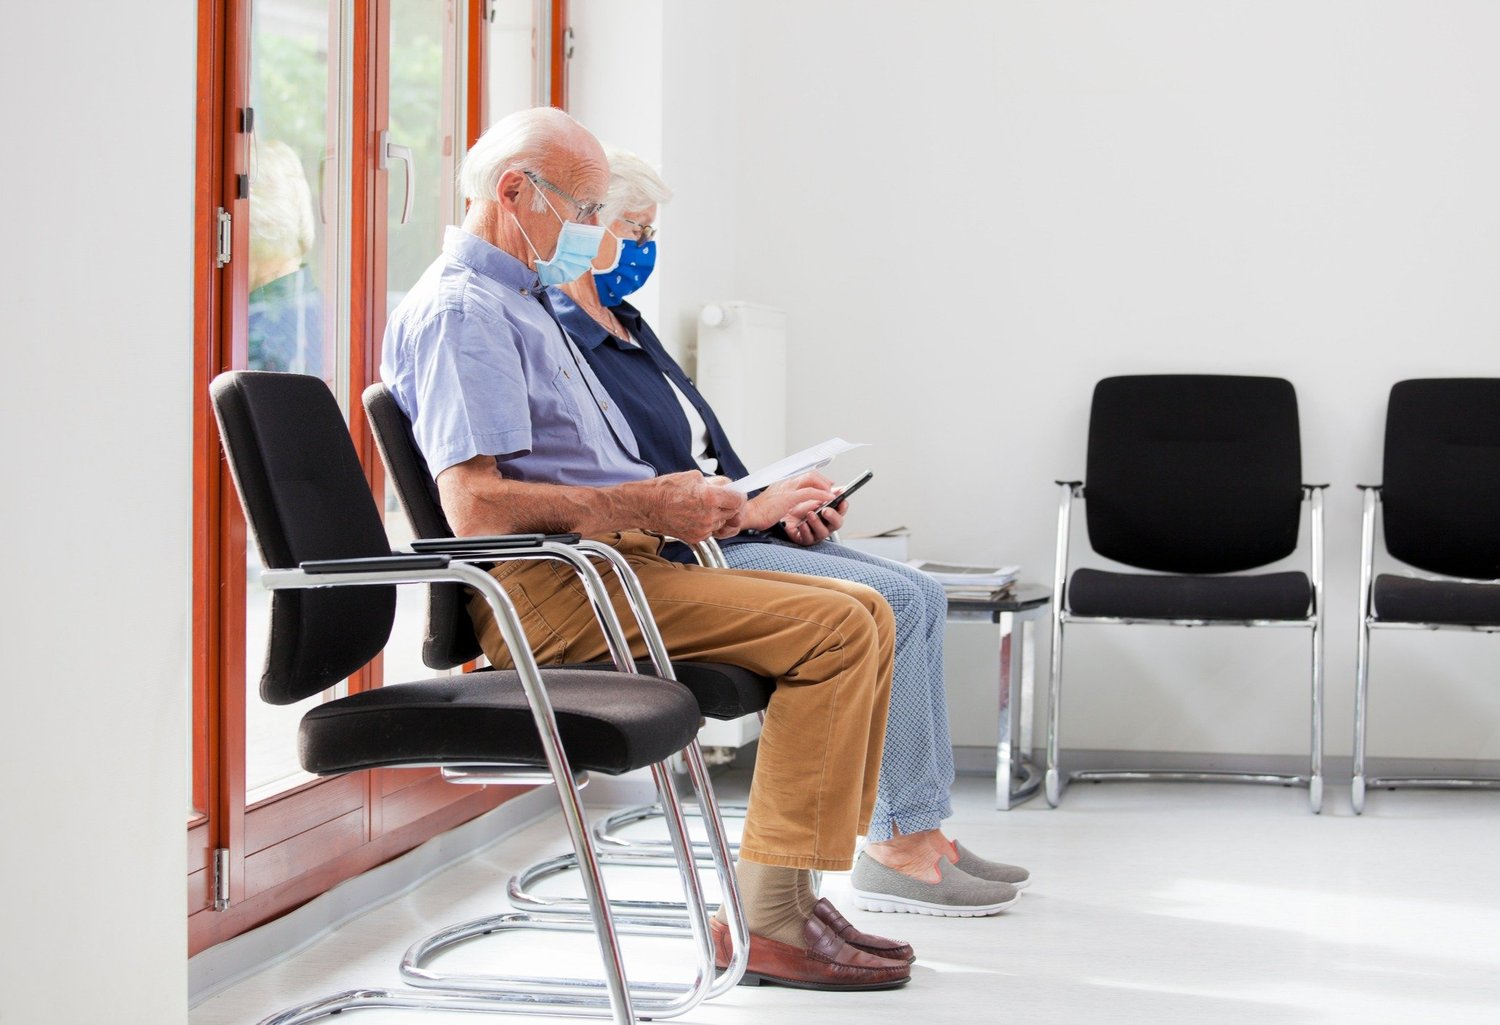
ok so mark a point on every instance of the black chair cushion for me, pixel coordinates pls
(1094, 592)
(722, 691)
(610, 722)
(306, 498)
(1401, 599)
(1193, 473)
(1440, 498)
(450, 639)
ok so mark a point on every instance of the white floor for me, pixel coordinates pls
(1201, 904)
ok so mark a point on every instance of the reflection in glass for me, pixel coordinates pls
(285, 304)
(292, 264)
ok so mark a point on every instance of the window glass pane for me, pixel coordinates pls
(509, 66)
(424, 118)
(293, 288)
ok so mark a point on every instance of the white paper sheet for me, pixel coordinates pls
(799, 462)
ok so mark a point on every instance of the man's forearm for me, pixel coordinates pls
(478, 501)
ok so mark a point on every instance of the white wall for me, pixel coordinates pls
(972, 211)
(97, 284)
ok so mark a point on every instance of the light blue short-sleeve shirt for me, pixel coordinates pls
(479, 366)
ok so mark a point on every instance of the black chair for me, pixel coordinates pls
(330, 570)
(721, 691)
(1197, 479)
(1440, 506)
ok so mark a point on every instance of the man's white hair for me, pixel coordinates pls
(519, 141)
(633, 185)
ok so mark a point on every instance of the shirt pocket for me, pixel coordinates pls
(576, 403)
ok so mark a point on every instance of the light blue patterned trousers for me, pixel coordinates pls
(916, 771)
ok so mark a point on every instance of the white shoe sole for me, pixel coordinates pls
(867, 901)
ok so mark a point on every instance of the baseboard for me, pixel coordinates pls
(226, 963)
(1337, 769)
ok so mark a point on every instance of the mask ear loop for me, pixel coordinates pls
(534, 251)
(619, 252)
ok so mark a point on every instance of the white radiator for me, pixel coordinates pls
(741, 370)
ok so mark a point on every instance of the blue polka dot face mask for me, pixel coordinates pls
(634, 262)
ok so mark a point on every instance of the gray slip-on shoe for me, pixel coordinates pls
(956, 895)
(994, 871)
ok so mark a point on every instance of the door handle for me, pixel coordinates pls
(391, 151)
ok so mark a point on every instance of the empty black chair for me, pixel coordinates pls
(1195, 479)
(1440, 506)
(331, 573)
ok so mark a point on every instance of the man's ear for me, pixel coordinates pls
(508, 189)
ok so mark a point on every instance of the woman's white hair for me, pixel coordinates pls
(518, 141)
(633, 185)
(281, 209)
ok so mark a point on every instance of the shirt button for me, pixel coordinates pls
(604, 405)
(525, 291)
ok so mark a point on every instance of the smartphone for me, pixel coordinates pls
(849, 489)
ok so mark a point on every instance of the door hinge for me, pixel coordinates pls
(221, 879)
(225, 238)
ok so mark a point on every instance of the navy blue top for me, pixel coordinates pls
(636, 377)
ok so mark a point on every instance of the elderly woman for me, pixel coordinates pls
(907, 865)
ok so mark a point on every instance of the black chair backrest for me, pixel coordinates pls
(450, 639)
(1440, 491)
(1194, 473)
(305, 497)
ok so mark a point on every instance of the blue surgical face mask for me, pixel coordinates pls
(634, 262)
(577, 245)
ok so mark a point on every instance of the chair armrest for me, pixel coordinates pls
(1308, 489)
(489, 543)
(1075, 487)
(1370, 487)
(375, 564)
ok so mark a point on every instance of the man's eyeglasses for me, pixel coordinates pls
(583, 210)
(643, 232)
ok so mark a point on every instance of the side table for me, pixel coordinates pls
(1017, 778)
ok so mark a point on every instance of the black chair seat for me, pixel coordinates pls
(722, 691)
(1095, 592)
(1402, 599)
(610, 722)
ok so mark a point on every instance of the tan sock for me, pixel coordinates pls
(806, 896)
(772, 896)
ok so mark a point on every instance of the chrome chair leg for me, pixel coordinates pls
(1054, 781)
(653, 999)
(1315, 774)
(1361, 710)
(1369, 500)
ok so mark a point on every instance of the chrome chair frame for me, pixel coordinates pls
(1055, 780)
(680, 851)
(1369, 619)
(607, 830)
(612, 997)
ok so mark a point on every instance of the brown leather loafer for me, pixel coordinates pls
(826, 962)
(894, 950)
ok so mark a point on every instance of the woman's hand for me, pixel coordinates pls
(785, 501)
(812, 527)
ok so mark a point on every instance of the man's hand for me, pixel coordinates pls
(691, 507)
(786, 501)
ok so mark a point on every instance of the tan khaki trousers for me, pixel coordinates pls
(827, 643)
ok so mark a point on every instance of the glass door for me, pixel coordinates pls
(292, 321)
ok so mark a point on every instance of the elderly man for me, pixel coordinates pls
(522, 437)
